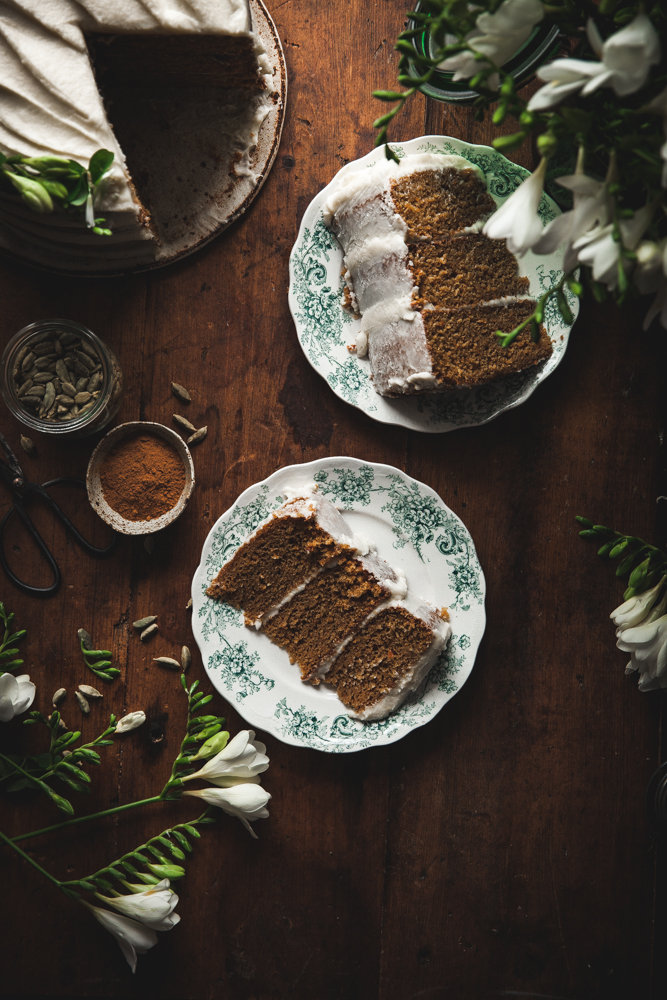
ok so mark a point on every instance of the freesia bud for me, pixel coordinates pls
(33, 193)
(131, 721)
(213, 745)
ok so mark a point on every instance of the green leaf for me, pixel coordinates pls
(583, 521)
(129, 868)
(87, 885)
(506, 143)
(78, 195)
(99, 164)
(387, 95)
(564, 308)
(176, 852)
(625, 565)
(606, 548)
(639, 574)
(103, 884)
(619, 548)
(115, 873)
(192, 830)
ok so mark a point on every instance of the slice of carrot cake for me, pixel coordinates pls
(431, 290)
(388, 658)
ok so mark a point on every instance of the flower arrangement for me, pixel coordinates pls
(45, 182)
(135, 889)
(606, 100)
(641, 620)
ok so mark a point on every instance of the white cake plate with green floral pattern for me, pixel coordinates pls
(324, 328)
(414, 531)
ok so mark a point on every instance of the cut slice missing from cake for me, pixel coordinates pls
(431, 290)
(388, 658)
(339, 611)
(177, 92)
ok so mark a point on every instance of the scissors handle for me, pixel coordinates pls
(18, 506)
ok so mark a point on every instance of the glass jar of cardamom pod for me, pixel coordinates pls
(58, 377)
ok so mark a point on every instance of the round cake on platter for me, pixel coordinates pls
(188, 98)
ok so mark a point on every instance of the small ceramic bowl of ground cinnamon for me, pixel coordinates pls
(140, 477)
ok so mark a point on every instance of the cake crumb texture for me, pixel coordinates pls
(314, 623)
(283, 554)
(464, 271)
(437, 203)
(378, 656)
(466, 351)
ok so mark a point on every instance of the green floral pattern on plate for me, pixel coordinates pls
(324, 328)
(415, 532)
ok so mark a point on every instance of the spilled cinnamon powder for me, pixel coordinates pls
(142, 477)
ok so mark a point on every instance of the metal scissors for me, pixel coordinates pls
(23, 490)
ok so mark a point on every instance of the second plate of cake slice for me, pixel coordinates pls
(396, 293)
(338, 604)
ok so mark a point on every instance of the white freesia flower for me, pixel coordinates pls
(517, 220)
(601, 252)
(240, 761)
(131, 721)
(591, 208)
(496, 36)
(659, 106)
(658, 307)
(247, 802)
(154, 906)
(16, 695)
(635, 609)
(134, 938)
(649, 267)
(625, 61)
(642, 632)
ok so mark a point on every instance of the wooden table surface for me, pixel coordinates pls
(500, 850)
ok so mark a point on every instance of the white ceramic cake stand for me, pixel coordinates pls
(414, 531)
(325, 329)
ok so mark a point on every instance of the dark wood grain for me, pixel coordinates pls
(501, 850)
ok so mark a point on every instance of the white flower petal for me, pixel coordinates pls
(153, 907)
(130, 721)
(246, 801)
(634, 610)
(16, 695)
(134, 938)
(517, 220)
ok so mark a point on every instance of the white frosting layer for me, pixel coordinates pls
(373, 235)
(50, 104)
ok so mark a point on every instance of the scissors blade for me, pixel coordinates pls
(12, 460)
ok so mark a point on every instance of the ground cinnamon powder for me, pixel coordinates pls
(142, 477)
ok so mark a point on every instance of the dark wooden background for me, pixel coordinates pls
(501, 850)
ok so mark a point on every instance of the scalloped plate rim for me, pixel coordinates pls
(267, 724)
(399, 419)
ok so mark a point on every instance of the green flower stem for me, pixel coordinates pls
(85, 819)
(17, 767)
(27, 858)
(118, 863)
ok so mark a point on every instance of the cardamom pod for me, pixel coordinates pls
(182, 393)
(89, 691)
(148, 632)
(184, 423)
(84, 638)
(197, 436)
(186, 658)
(83, 702)
(167, 661)
(28, 446)
(59, 696)
(144, 622)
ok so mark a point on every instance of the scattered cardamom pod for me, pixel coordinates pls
(58, 697)
(185, 424)
(148, 632)
(83, 702)
(144, 622)
(84, 637)
(28, 446)
(197, 436)
(182, 393)
(188, 606)
(186, 658)
(89, 691)
(167, 661)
